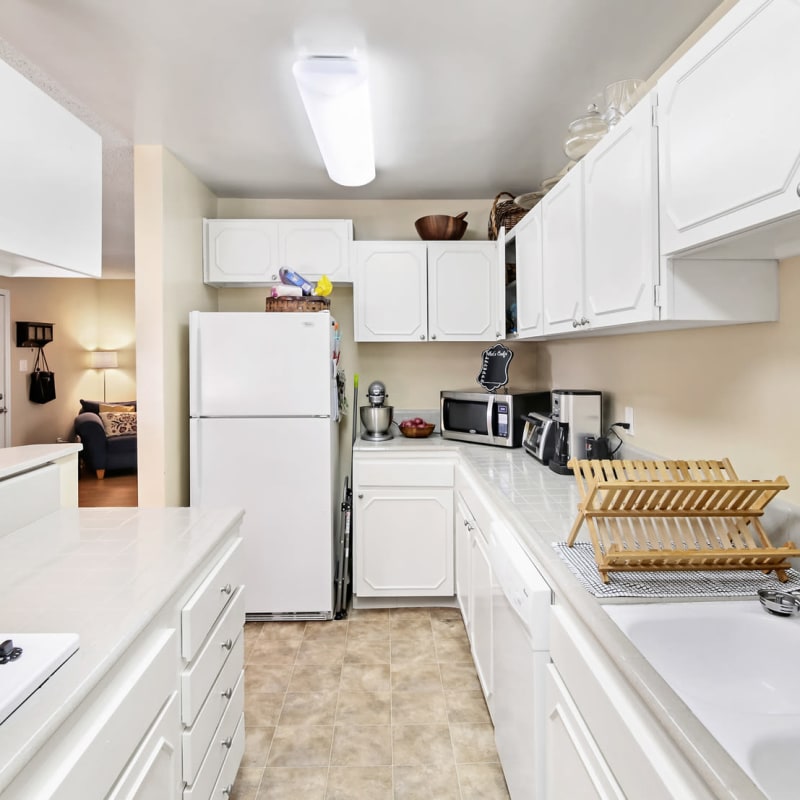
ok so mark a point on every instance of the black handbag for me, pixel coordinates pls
(43, 382)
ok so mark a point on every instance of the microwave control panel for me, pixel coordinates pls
(502, 420)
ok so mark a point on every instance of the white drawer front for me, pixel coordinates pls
(206, 604)
(222, 789)
(195, 740)
(221, 745)
(198, 678)
(392, 472)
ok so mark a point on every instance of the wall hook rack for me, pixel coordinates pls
(34, 334)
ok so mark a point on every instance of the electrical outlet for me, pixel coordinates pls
(23, 365)
(629, 419)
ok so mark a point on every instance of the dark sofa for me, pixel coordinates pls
(102, 452)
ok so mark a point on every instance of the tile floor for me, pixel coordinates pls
(384, 705)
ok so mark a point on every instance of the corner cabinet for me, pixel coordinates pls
(728, 119)
(250, 252)
(421, 291)
(403, 526)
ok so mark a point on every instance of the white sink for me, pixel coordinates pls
(735, 666)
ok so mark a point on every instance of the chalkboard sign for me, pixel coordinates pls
(494, 368)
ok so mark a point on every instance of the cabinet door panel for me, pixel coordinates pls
(481, 601)
(463, 532)
(621, 222)
(316, 247)
(729, 159)
(562, 253)
(390, 292)
(462, 290)
(530, 318)
(404, 542)
(241, 251)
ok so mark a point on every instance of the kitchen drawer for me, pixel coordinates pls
(198, 678)
(224, 784)
(206, 604)
(227, 689)
(395, 472)
(222, 743)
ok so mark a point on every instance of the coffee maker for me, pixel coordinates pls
(576, 413)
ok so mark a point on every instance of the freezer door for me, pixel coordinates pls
(260, 364)
(281, 472)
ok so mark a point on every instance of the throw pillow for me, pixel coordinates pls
(94, 405)
(119, 423)
(115, 407)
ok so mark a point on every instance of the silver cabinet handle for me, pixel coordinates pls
(433, 336)
(584, 321)
(227, 742)
(228, 644)
(575, 323)
(798, 189)
(466, 523)
(274, 276)
(361, 497)
(228, 790)
(422, 337)
(227, 694)
(226, 589)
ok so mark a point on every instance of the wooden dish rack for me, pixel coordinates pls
(676, 515)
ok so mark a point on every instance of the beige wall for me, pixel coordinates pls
(704, 393)
(170, 204)
(87, 315)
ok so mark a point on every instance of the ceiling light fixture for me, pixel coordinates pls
(335, 93)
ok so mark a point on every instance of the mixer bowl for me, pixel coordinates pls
(376, 420)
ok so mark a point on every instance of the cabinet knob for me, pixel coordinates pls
(227, 742)
(433, 336)
(798, 189)
(466, 523)
(228, 790)
(274, 277)
(361, 497)
(226, 589)
(575, 323)
(422, 337)
(228, 644)
(584, 321)
(227, 694)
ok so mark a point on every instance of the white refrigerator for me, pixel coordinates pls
(263, 436)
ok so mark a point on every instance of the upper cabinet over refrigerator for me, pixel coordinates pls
(260, 364)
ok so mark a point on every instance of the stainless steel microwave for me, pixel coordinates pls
(484, 418)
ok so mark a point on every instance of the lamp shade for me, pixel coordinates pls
(335, 94)
(104, 359)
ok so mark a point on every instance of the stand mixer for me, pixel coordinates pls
(376, 418)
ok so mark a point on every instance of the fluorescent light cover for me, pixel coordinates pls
(335, 93)
(104, 359)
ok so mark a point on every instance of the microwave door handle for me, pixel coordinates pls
(489, 407)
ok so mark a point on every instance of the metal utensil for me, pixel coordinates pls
(781, 603)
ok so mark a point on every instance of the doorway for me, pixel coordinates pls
(5, 368)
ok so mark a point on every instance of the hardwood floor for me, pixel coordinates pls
(119, 488)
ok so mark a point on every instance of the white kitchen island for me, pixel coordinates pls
(139, 588)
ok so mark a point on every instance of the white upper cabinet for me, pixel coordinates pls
(250, 252)
(620, 178)
(51, 190)
(416, 291)
(562, 254)
(528, 233)
(728, 119)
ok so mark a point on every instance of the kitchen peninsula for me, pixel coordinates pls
(150, 594)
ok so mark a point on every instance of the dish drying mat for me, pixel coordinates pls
(702, 583)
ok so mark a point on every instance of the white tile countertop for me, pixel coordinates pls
(14, 460)
(103, 573)
(541, 507)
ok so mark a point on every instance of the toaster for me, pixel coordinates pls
(539, 436)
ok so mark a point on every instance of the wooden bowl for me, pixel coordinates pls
(418, 433)
(441, 227)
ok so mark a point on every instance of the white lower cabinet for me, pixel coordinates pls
(464, 526)
(601, 740)
(481, 602)
(403, 527)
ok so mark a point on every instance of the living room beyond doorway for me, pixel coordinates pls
(118, 488)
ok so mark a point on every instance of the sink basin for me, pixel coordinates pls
(734, 665)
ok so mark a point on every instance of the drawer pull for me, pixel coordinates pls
(227, 790)
(227, 742)
(228, 644)
(227, 694)
(226, 589)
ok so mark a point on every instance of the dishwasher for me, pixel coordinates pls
(521, 614)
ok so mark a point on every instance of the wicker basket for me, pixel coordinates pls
(504, 214)
(298, 304)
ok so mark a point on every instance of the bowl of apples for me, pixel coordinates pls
(416, 428)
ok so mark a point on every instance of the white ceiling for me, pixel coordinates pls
(470, 97)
